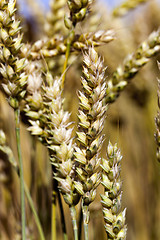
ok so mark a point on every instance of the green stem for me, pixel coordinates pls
(33, 167)
(53, 220)
(13, 162)
(65, 64)
(23, 219)
(74, 222)
(65, 237)
(34, 212)
(85, 210)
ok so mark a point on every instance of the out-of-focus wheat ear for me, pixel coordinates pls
(78, 10)
(157, 121)
(54, 25)
(55, 18)
(111, 199)
(127, 6)
(132, 64)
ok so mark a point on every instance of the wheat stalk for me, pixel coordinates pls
(7, 150)
(157, 122)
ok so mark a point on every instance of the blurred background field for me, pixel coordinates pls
(130, 123)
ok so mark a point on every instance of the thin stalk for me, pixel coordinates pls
(13, 162)
(65, 237)
(33, 167)
(23, 218)
(74, 222)
(42, 237)
(85, 210)
(65, 64)
(53, 220)
(80, 224)
(69, 42)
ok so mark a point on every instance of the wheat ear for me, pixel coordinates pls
(13, 77)
(55, 18)
(127, 6)
(111, 199)
(132, 64)
(89, 135)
